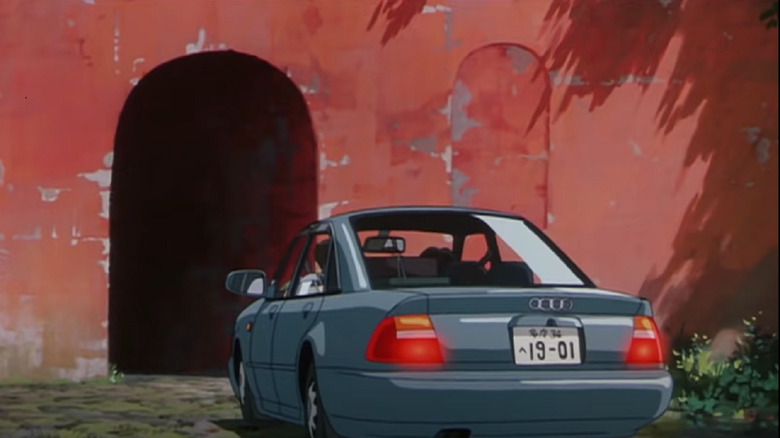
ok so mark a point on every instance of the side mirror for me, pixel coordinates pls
(251, 282)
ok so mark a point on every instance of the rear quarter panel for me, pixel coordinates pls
(345, 324)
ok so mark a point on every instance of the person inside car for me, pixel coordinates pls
(314, 280)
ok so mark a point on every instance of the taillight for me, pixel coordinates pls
(407, 339)
(645, 346)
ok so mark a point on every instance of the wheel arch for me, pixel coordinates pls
(305, 360)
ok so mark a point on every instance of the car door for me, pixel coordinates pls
(265, 323)
(316, 277)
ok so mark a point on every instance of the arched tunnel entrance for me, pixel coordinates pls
(214, 169)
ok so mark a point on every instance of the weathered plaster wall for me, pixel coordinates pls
(661, 174)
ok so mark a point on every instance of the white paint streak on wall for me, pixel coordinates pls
(35, 235)
(326, 209)
(103, 179)
(325, 162)
(50, 194)
(2, 173)
(106, 249)
(101, 176)
(200, 45)
(432, 9)
(54, 234)
(557, 79)
(446, 111)
(197, 46)
(116, 37)
(635, 148)
(137, 61)
(134, 80)
(446, 156)
(89, 2)
(106, 243)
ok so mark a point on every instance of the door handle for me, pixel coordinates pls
(272, 311)
(307, 309)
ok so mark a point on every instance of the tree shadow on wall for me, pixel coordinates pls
(726, 72)
(397, 13)
(725, 250)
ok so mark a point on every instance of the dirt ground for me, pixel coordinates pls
(164, 407)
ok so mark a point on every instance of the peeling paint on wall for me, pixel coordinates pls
(521, 59)
(103, 179)
(424, 144)
(116, 37)
(461, 195)
(449, 31)
(50, 194)
(2, 173)
(325, 162)
(326, 209)
(762, 145)
(432, 9)
(200, 44)
(36, 234)
(557, 79)
(136, 61)
(461, 123)
(631, 79)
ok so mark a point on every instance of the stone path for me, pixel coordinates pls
(160, 407)
(154, 407)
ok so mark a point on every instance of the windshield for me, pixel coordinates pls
(439, 249)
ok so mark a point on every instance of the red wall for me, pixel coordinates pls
(651, 155)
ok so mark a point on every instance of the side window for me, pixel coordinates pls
(318, 269)
(474, 247)
(286, 273)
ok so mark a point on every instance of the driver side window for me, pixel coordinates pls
(318, 268)
(283, 280)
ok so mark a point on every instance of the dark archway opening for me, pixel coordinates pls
(214, 169)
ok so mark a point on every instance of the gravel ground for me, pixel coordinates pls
(165, 407)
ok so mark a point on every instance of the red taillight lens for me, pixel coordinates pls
(645, 348)
(408, 339)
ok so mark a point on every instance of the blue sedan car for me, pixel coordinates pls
(442, 322)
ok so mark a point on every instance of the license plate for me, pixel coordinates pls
(546, 345)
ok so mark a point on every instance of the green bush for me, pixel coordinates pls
(744, 384)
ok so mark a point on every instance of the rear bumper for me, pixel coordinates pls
(516, 403)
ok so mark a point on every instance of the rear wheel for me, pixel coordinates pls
(317, 423)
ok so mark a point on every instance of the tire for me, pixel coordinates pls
(316, 419)
(246, 399)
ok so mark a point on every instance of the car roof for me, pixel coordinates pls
(420, 209)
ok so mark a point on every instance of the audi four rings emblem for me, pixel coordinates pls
(551, 304)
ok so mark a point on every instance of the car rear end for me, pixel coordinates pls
(505, 362)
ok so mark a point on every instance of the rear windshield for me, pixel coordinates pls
(443, 249)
